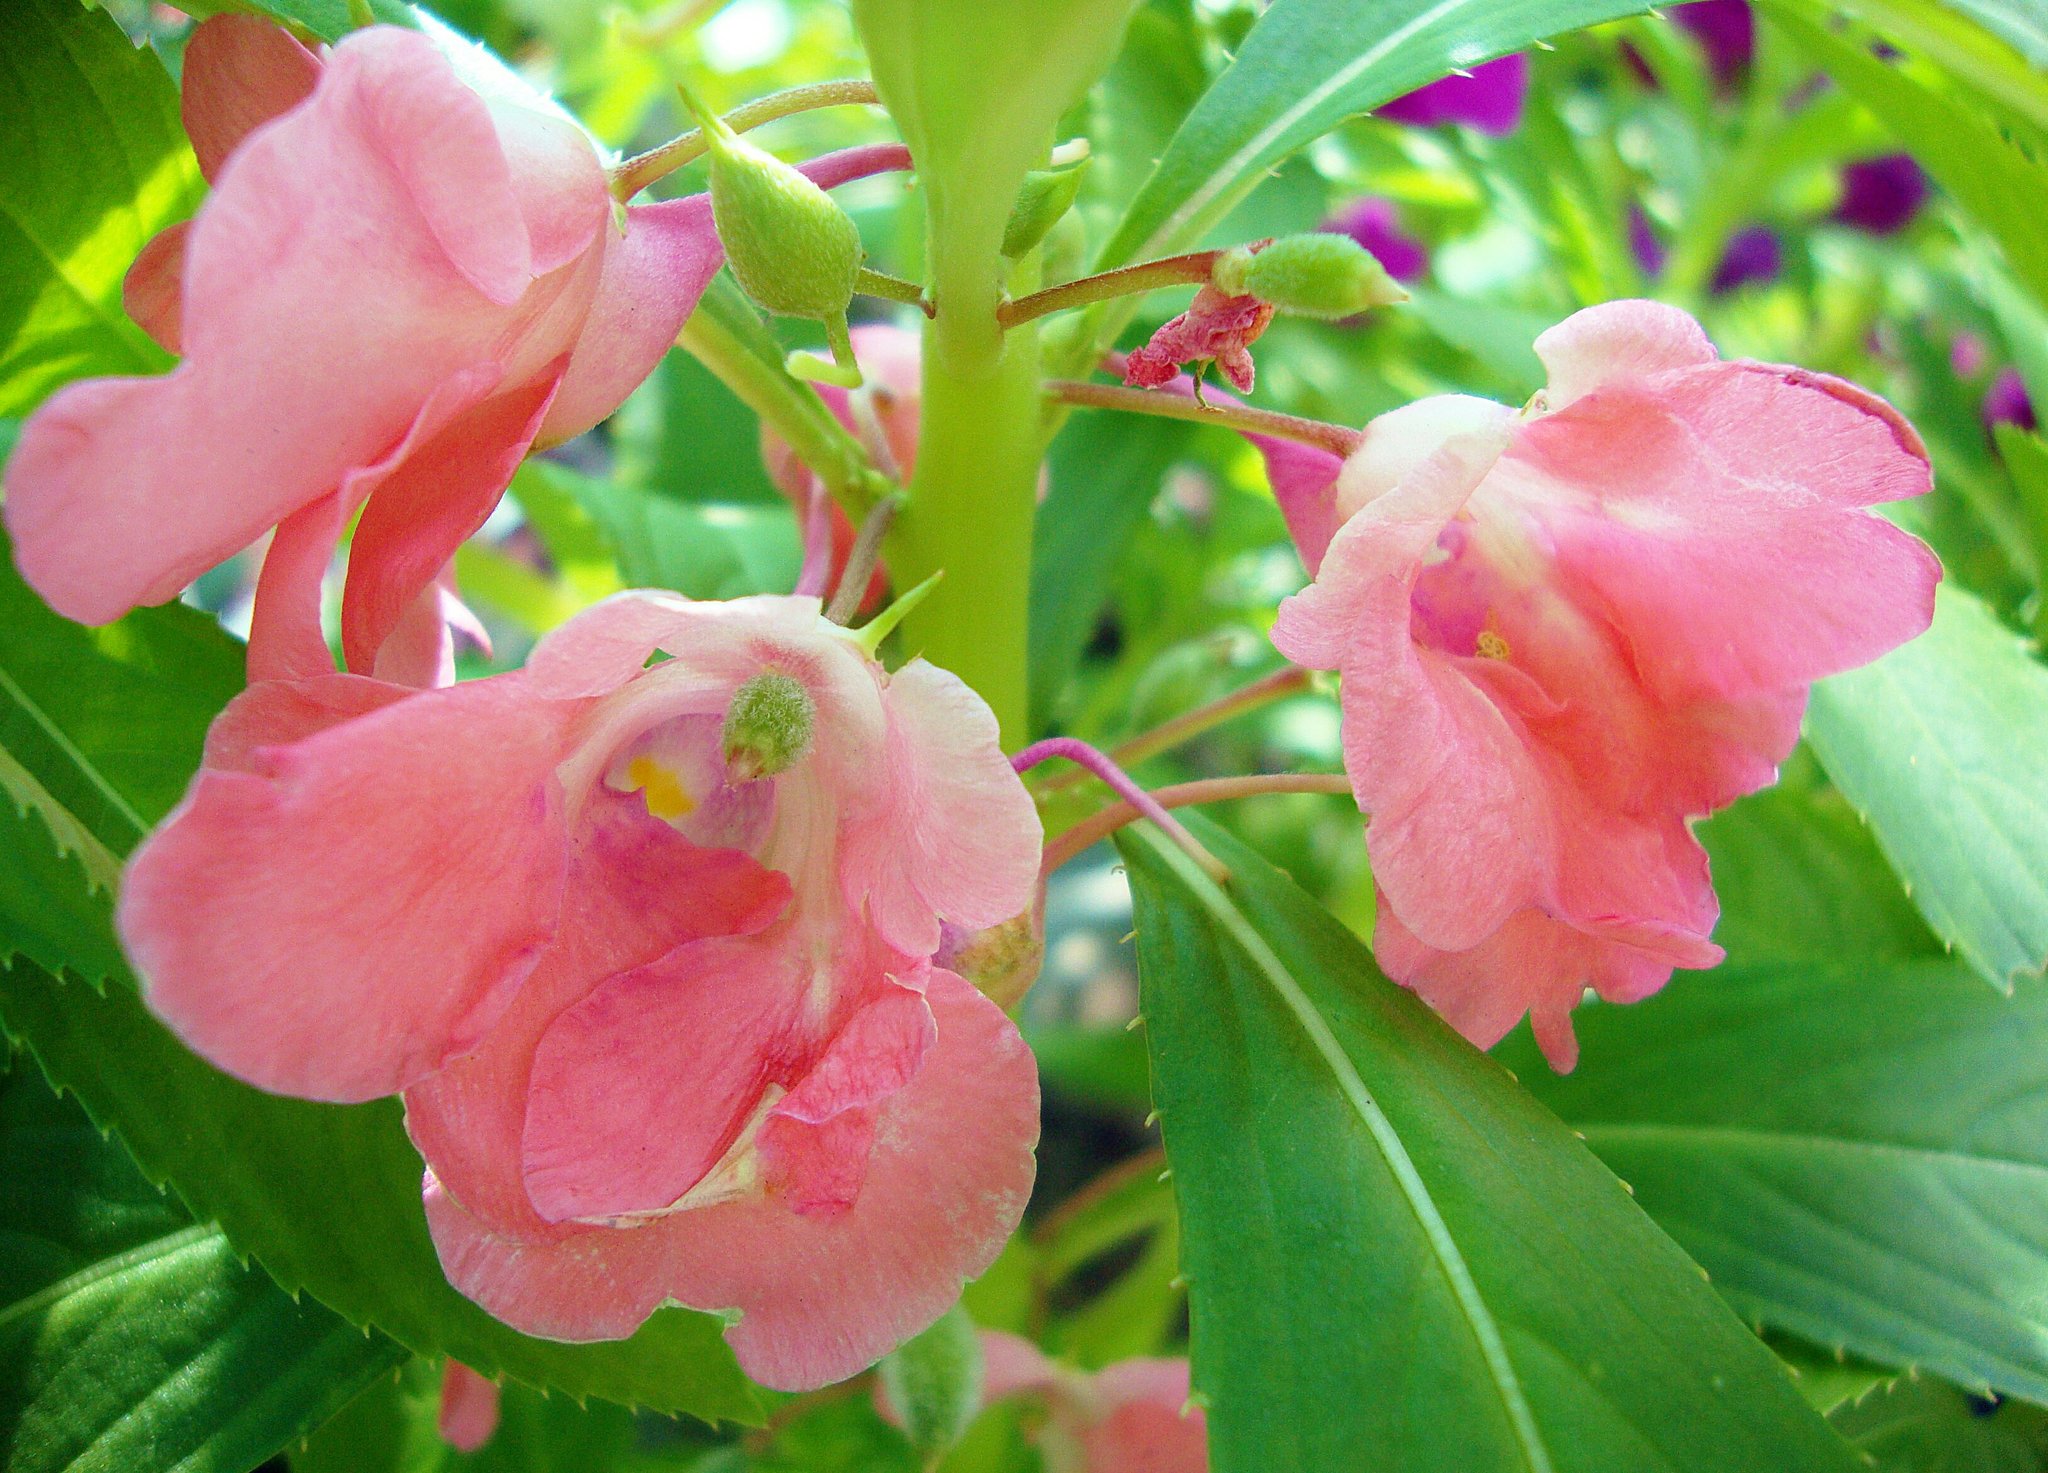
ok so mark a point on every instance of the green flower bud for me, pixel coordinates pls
(933, 1382)
(1319, 275)
(791, 248)
(768, 726)
(1046, 197)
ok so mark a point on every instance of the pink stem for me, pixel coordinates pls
(1099, 763)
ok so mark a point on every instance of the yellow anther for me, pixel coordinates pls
(1492, 646)
(667, 798)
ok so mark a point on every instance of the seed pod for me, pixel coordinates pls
(1320, 275)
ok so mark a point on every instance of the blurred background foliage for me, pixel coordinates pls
(1653, 156)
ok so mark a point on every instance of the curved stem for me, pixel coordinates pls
(872, 283)
(1124, 281)
(1135, 798)
(636, 173)
(1241, 417)
(860, 560)
(1282, 683)
(1097, 827)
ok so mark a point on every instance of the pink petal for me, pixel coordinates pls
(609, 643)
(342, 916)
(469, 1408)
(1148, 1426)
(960, 838)
(1616, 342)
(276, 713)
(821, 1296)
(153, 291)
(1011, 1365)
(429, 502)
(239, 72)
(321, 313)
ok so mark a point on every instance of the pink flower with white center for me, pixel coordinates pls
(407, 274)
(1566, 631)
(647, 949)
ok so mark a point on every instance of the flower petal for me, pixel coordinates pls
(239, 72)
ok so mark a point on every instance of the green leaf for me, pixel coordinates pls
(1800, 878)
(1306, 67)
(934, 1382)
(1926, 1427)
(327, 1198)
(325, 20)
(1939, 746)
(95, 164)
(1104, 471)
(1857, 1153)
(131, 1338)
(1992, 179)
(1828, 1381)
(1389, 1245)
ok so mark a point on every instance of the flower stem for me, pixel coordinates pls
(1092, 830)
(1135, 798)
(1282, 683)
(636, 173)
(1124, 281)
(860, 560)
(872, 283)
(1242, 417)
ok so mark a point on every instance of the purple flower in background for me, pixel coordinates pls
(1489, 99)
(1882, 195)
(1374, 225)
(1644, 243)
(2006, 401)
(1967, 355)
(1753, 254)
(1726, 31)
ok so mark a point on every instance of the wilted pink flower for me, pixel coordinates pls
(469, 1408)
(1882, 195)
(1566, 631)
(1374, 224)
(406, 275)
(1215, 328)
(1130, 1417)
(1489, 98)
(667, 1029)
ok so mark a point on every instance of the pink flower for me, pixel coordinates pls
(883, 415)
(406, 275)
(1215, 328)
(1566, 631)
(469, 1408)
(1130, 1417)
(664, 1032)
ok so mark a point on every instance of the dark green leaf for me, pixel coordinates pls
(1939, 746)
(1105, 470)
(1858, 1153)
(95, 164)
(1389, 1246)
(131, 1338)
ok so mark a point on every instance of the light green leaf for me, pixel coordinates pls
(1926, 1427)
(1857, 1152)
(1306, 67)
(96, 163)
(325, 20)
(132, 1339)
(1939, 746)
(1390, 1246)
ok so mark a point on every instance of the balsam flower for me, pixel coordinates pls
(647, 950)
(1217, 328)
(1566, 631)
(406, 275)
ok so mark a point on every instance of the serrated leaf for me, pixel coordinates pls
(325, 20)
(1926, 1427)
(1389, 1245)
(1858, 1153)
(95, 164)
(1939, 746)
(131, 1338)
